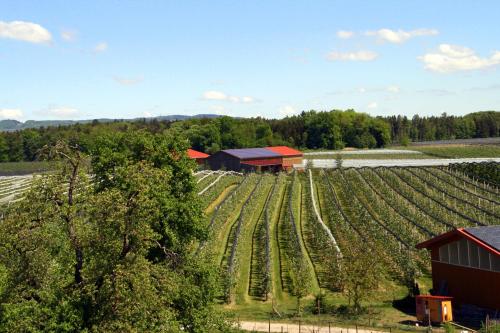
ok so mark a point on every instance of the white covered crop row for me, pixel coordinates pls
(13, 186)
(221, 174)
(330, 235)
(331, 163)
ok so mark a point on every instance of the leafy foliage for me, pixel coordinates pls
(109, 252)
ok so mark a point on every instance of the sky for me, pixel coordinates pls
(124, 59)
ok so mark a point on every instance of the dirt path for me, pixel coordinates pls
(258, 326)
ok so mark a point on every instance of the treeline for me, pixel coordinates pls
(474, 125)
(313, 130)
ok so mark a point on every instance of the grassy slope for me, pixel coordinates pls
(245, 246)
(379, 156)
(457, 151)
(23, 168)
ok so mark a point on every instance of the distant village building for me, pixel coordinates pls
(197, 155)
(256, 159)
(466, 265)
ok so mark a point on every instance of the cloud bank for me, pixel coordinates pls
(25, 31)
(453, 58)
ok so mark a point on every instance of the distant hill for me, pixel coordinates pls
(14, 125)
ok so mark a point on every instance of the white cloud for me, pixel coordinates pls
(247, 99)
(11, 114)
(372, 105)
(214, 95)
(287, 110)
(344, 34)
(393, 89)
(452, 58)
(61, 111)
(25, 31)
(69, 35)
(362, 90)
(352, 56)
(101, 47)
(219, 109)
(128, 81)
(148, 114)
(220, 96)
(400, 36)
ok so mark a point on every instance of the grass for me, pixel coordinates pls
(24, 168)
(210, 208)
(380, 156)
(430, 151)
(245, 246)
(380, 313)
(460, 151)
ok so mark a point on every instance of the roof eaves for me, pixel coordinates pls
(459, 231)
(480, 242)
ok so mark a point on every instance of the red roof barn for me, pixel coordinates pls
(289, 155)
(251, 159)
(466, 265)
(197, 155)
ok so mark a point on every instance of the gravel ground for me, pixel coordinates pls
(330, 163)
(257, 326)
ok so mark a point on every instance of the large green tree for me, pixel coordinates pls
(111, 251)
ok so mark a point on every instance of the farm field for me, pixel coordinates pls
(417, 152)
(281, 239)
(24, 168)
(459, 151)
(369, 162)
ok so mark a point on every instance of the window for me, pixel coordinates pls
(466, 253)
(484, 259)
(453, 251)
(495, 263)
(443, 254)
(463, 250)
(473, 255)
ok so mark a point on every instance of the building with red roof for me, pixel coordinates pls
(256, 159)
(197, 155)
(466, 265)
(289, 155)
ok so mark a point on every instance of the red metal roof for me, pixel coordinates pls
(457, 232)
(285, 151)
(443, 298)
(196, 154)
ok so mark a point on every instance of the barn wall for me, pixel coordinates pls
(221, 160)
(468, 285)
(200, 161)
(264, 161)
(290, 161)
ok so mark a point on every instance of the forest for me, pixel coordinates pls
(309, 130)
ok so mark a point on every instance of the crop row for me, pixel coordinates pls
(289, 233)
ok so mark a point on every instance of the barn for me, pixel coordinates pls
(255, 159)
(466, 265)
(197, 155)
(289, 155)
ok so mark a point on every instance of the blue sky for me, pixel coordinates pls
(123, 59)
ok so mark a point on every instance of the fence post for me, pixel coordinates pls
(356, 328)
(329, 328)
(269, 325)
(299, 327)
